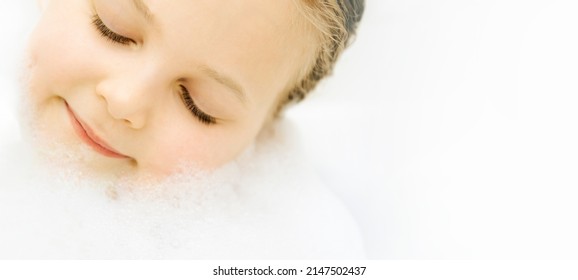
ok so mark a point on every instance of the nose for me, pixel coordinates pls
(128, 99)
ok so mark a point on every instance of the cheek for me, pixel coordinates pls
(59, 57)
(197, 145)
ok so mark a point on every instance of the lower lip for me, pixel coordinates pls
(82, 134)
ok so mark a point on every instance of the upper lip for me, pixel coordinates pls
(94, 138)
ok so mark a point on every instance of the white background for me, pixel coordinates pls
(449, 127)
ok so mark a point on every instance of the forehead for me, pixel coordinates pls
(255, 39)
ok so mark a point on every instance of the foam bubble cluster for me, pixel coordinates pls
(266, 204)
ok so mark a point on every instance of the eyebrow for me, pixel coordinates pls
(224, 80)
(143, 9)
(208, 71)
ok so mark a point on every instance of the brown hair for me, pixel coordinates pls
(335, 22)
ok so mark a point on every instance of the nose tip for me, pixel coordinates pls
(123, 106)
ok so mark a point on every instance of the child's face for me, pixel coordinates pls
(148, 84)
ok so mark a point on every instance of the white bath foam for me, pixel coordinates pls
(264, 205)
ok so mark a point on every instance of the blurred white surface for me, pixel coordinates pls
(449, 127)
(16, 21)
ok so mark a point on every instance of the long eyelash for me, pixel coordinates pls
(109, 34)
(202, 116)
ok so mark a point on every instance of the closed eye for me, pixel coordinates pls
(198, 113)
(109, 34)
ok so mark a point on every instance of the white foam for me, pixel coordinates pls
(264, 205)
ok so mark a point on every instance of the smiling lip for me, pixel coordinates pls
(87, 135)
